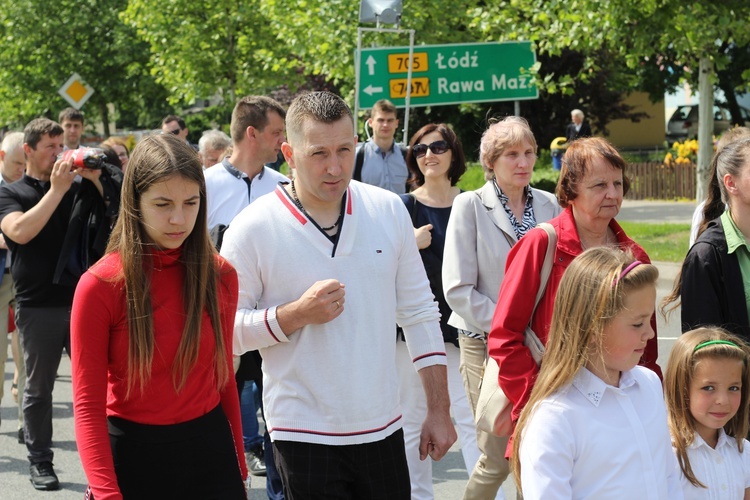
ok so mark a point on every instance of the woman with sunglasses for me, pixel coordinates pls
(483, 227)
(436, 161)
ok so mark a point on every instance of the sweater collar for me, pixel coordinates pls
(164, 258)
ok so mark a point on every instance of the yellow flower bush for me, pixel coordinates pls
(683, 153)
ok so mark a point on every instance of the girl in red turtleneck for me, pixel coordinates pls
(156, 407)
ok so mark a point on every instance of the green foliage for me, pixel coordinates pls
(148, 57)
(545, 177)
(43, 43)
(662, 242)
(473, 178)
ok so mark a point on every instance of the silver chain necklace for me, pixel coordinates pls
(302, 209)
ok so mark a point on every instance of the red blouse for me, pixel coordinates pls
(99, 358)
(518, 370)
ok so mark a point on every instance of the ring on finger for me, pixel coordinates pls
(337, 304)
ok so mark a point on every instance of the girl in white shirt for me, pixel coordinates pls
(707, 385)
(596, 426)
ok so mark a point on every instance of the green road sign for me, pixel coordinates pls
(447, 74)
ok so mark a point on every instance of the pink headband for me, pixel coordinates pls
(625, 271)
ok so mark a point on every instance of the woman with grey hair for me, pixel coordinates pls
(578, 128)
(212, 147)
(715, 280)
(483, 226)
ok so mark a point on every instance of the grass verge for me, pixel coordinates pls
(664, 242)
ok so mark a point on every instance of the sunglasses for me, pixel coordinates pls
(175, 131)
(437, 148)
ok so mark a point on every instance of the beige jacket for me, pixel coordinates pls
(477, 242)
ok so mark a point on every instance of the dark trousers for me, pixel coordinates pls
(362, 471)
(190, 460)
(45, 332)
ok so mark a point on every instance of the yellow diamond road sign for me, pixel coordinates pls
(76, 91)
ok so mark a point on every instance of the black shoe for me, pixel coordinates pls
(256, 463)
(43, 476)
(21, 438)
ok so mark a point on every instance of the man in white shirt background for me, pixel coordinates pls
(257, 130)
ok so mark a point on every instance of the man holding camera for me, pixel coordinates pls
(36, 214)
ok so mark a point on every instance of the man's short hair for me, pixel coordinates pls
(323, 107)
(174, 118)
(71, 115)
(252, 111)
(39, 127)
(12, 141)
(383, 106)
(213, 139)
(577, 112)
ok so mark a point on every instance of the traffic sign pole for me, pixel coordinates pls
(370, 63)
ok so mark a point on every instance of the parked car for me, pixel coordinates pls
(684, 121)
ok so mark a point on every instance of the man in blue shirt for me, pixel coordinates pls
(380, 161)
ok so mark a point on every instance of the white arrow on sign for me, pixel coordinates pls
(370, 65)
(369, 90)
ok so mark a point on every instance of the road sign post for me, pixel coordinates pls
(447, 74)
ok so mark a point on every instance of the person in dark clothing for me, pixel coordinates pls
(716, 271)
(578, 128)
(51, 224)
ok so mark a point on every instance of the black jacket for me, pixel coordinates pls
(712, 289)
(89, 227)
(571, 134)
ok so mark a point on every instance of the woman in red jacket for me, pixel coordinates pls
(591, 187)
(156, 407)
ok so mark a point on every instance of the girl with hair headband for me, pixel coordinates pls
(596, 425)
(706, 385)
(156, 405)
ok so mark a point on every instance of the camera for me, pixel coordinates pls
(92, 158)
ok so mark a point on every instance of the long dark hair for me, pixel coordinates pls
(731, 159)
(155, 159)
(714, 205)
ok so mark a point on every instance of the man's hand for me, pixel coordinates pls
(438, 435)
(62, 177)
(423, 236)
(91, 174)
(321, 303)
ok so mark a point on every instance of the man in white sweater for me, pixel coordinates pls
(326, 269)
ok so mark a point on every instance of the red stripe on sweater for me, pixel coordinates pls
(268, 325)
(290, 206)
(427, 355)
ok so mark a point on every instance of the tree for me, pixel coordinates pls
(45, 42)
(642, 32)
(214, 48)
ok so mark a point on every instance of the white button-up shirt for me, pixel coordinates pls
(724, 470)
(595, 441)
